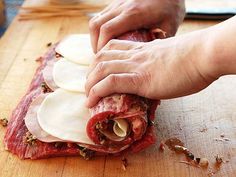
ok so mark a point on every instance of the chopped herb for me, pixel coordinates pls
(45, 88)
(219, 159)
(226, 139)
(4, 122)
(58, 144)
(99, 126)
(151, 123)
(29, 139)
(124, 163)
(222, 135)
(69, 145)
(203, 162)
(39, 59)
(86, 153)
(58, 55)
(49, 44)
(190, 155)
(178, 148)
(198, 159)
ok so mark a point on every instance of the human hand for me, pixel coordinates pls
(160, 69)
(125, 15)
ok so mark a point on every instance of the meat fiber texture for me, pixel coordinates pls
(15, 138)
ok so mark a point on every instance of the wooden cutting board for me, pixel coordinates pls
(197, 120)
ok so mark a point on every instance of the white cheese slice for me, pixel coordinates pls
(32, 124)
(63, 114)
(70, 76)
(76, 48)
(120, 127)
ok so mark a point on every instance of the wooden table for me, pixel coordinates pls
(197, 120)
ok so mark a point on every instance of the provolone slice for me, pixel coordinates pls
(63, 114)
(32, 124)
(76, 48)
(120, 127)
(70, 76)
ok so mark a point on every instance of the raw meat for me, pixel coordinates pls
(19, 141)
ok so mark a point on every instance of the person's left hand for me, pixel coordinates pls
(122, 16)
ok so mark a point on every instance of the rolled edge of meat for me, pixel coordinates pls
(136, 111)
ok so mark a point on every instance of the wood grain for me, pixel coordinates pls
(212, 110)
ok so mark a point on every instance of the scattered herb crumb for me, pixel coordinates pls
(3, 122)
(221, 139)
(29, 139)
(226, 139)
(222, 135)
(124, 163)
(218, 139)
(58, 144)
(58, 55)
(39, 59)
(49, 44)
(203, 162)
(219, 159)
(45, 88)
(203, 130)
(172, 142)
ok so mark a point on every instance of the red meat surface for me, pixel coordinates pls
(15, 138)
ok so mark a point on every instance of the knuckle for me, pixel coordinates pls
(99, 56)
(93, 24)
(100, 68)
(93, 91)
(140, 57)
(112, 79)
(105, 28)
(111, 44)
(137, 58)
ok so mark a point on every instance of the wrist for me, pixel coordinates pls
(221, 48)
(199, 56)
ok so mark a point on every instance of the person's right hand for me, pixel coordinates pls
(125, 15)
(160, 69)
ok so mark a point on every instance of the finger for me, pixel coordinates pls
(116, 44)
(115, 27)
(114, 83)
(95, 24)
(104, 69)
(108, 55)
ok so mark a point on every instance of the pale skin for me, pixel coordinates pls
(163, 69)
